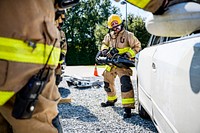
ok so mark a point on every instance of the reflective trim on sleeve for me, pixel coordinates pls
(62, 61)
(5, 96)
(63, 51)
(123, 50)
(19, 51)
(126, 50)
(139, 3)
(104, 47)
(132, 52)
(112, 98)
(128, 101)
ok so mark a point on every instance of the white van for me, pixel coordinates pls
(169, 83)
(168, 72)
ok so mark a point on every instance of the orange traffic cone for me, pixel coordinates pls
(95, 71)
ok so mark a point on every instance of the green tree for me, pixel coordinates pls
(137, 26)
(79, 27)
(100, 31)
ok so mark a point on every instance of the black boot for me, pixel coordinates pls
(127, 113)
(108, 103)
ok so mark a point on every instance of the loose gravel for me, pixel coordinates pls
(85, 115)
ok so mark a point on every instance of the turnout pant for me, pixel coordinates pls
(127, 92)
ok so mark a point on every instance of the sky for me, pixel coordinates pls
(130, 9)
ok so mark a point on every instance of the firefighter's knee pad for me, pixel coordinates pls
(106, 87)
(126, 84)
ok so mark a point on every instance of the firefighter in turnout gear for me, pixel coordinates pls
(63, 45)
(157, 7)
(29, 54)
(127, 45)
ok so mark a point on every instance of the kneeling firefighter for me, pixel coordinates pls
(127, 45)
(29, 53)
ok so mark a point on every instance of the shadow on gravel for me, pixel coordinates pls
(136, 119)
(64, 92)
(68, 111)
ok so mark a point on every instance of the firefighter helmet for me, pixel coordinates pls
(113, 18)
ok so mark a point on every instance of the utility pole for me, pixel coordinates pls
(125, 3)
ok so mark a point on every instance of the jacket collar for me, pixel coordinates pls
(115, 34)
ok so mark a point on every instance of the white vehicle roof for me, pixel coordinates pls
(179, 20)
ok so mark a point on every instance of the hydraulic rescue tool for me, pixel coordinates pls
(114, 58)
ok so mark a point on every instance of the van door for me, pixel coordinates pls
(175, 95)
(144, 70)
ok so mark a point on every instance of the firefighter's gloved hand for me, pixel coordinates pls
(126, 55)
(62, 42)
(112, 52)
(97, 57)
(62, 56)
(104, 52)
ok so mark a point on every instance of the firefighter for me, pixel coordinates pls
(157, 7)
(29, 53)
(63, 46)
(171, 16)
(127, 45)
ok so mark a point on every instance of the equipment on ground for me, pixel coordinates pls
(82, 82)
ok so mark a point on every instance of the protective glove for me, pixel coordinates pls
(112, 52)
(62, 57)
(126, 55)
(104, 52)
(62, 42)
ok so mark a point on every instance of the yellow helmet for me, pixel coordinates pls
(112, 18)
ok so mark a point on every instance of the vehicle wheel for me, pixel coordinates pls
(142, 112)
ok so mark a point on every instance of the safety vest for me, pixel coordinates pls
(19, 51)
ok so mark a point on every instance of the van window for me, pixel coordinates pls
(157, 40)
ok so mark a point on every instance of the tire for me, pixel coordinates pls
(142, 112)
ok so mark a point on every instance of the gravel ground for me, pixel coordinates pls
(85, 115)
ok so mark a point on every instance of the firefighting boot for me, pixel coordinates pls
(127, 113)
(108, 103)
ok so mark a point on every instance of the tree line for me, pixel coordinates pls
(86, 25)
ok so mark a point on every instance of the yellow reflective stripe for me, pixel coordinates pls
(123, 50)
(112, 98)
(19, 51)
(104, 47)
(108, 68)
(128, 100)
(63, 51)
(61, 61)
(5, 96)
(132, 52)
(139, 3)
